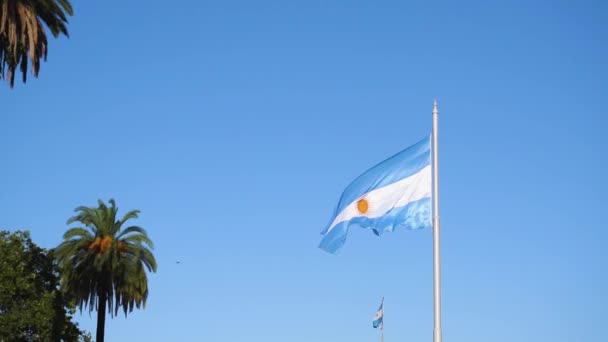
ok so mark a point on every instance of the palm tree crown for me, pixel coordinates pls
(103, 263)
(22, 33)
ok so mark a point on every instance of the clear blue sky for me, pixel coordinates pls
(235, 125)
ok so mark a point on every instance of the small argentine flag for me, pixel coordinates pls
(379, 316)
(396, 193)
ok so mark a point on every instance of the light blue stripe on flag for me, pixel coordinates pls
(396, 193)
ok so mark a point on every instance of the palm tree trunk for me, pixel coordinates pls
(101, 317)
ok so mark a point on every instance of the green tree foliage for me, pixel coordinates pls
(23, 38)
(32, 308)
(104, 264)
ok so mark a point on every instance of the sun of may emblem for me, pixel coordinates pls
(362, 206)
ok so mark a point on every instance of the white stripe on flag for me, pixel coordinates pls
(395, 195)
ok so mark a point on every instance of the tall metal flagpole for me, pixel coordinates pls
(436, 263)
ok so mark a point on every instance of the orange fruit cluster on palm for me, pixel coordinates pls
(106, 243)
(95, 243)
(103, 244)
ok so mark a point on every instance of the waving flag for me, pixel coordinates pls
(396, 193)
(379, 316)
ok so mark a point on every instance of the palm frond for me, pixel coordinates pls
(78, 232)
(23, 40)
(133, 214)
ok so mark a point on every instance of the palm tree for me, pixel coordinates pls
(23, 36)
(103, 264)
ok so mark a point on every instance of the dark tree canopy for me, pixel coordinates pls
(32, 308)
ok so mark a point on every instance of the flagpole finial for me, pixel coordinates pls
(435, 107)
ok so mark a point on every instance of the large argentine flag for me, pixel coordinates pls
(393, 194)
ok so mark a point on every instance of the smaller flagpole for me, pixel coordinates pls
(382, 326)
